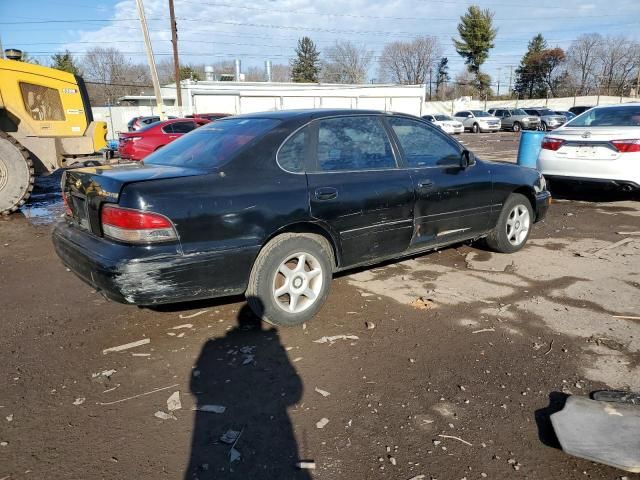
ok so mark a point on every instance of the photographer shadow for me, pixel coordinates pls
(248, 372)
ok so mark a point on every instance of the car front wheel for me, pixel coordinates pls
(514, 225)
(290, 279)
(516, 127)
(475, 128)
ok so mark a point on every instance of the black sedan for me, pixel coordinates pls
(271, 204)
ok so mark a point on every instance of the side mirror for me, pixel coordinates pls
(467, 159)
(469, 116)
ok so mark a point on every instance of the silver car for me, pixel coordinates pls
(516, 119)
(478, 121)
(549, 120)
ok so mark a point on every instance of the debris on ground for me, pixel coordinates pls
(126, 346)
(322, 423)
(336, 337)
(230, 436)
(138, 395)
(173, 402)
(79, 401)
(164, 416)
(234, 455)
(104, 373)
(306, 465)
(604, 432)
(482, 330)
(210, 408)
(423, 303)
(324, 393)
(193, 315)
(184, 325)
(456, 438)
(370, 325)
(9, 417)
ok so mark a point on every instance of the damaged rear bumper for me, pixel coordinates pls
(147, 275)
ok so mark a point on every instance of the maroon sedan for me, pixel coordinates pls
(137, 145)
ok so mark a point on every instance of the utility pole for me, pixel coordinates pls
(510, 78)
(1, 49)
(638, 82)
(176, 62)
(498, 93)
(152, 63)
(430, 73)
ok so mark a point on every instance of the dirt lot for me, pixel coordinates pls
(458, 343)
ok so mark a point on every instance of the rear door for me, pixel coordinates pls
(356, 188)
(452, 202)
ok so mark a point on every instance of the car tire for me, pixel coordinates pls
(516, 127)
(544, 127)
(514, 225)
(475, 128)
(295, 297)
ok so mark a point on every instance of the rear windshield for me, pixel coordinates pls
(623, 116)
(213, 144)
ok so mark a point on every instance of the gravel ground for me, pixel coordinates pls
(450, 364)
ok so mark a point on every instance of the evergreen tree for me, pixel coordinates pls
(530, 78)
(189, 73)
(476, 39)
(306, 67)
(442, 75)
(65, 62)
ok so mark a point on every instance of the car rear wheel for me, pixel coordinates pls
(516, 127)
(290, 279)
(514, 225)
(544, 127)
(475, 128)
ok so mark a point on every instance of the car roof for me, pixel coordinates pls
(313, 113)
(630, 104)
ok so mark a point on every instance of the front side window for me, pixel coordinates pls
(42, 103)
(424, 146)
(353, 143)
(292, 153)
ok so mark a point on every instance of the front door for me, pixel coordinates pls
(357, 190)
(452, 202)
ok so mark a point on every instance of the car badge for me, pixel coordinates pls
(586, 135)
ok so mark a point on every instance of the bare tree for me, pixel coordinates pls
(582, 59)
(409, 62)
(618, 57)
(280, 72)
(110, 75)
(345, 62)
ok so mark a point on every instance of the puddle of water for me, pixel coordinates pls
(43, 212)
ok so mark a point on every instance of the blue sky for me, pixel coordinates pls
(213, 30)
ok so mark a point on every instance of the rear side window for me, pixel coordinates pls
(212, 145)
(424, 146)
(353, 143)
(183, 127)
(292, 152)
(42, 103)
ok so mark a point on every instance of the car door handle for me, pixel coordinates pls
(425, 185)
(326, 193)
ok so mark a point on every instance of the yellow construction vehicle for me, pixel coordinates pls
(45, 124)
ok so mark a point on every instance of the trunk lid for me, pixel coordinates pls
(85, 189)
(583, 143)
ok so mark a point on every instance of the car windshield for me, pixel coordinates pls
(623, 116)
(544, 112)
(443, 118)
(480, 113)
(518, 111)
(212, 145)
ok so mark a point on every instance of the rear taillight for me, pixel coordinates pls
(550, 143)
(67, 208)
(627, 146)
(129, 139)
(136, 226)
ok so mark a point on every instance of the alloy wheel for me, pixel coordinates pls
(298, 282)
(518, 224)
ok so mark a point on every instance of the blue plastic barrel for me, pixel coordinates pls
(529, 148)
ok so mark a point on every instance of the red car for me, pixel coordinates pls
(137, 145)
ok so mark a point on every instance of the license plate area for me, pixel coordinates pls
(80, 214)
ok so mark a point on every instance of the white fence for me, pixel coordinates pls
(236, 103)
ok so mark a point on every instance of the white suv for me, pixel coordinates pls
(601, 145)
(478, 121)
